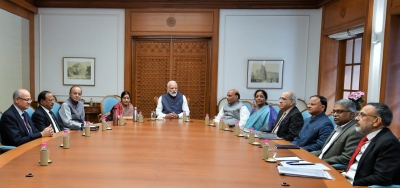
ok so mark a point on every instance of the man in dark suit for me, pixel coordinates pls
(376, 160)
(289, 121)
(43, 116)
(341, 144)
(16, 127)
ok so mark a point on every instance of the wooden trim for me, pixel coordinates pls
(15, 9)
(26, 5)
(341, 66)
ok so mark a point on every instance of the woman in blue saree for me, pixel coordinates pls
(262, 116)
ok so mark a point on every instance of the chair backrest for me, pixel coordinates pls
(108, 102)
(30, 111)
(276, 107)
(248, 104)
(305, 115)
(333, 121)
(55, 109)
(221, 103)
(155, 100)
(301, 105)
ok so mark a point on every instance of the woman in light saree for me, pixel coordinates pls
(262, 116)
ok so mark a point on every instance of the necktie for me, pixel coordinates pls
(358, 149)
(55, 121)
(275, 130)
(26, 123)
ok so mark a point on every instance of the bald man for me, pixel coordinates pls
(16, 127)
(234, 110)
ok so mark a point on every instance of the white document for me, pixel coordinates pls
(292, 158)
(303, 172)
(319, 166)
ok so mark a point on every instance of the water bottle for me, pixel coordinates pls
(121, 121)
(251, 135)
(265, 152)
(91, 102)
(115, 117)
(221, 123)
(44, 155)
(207, 120)
(66, 139)
(87, 129)
(184, 116)
(140, 117)
(135, 114)
(237, 128)
(103, 125)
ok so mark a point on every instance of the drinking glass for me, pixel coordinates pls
(153, 115)
(272, 152)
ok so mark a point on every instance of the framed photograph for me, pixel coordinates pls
(264, 74)
(78, 71)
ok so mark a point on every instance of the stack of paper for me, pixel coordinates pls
(304, 172)
(304, 164)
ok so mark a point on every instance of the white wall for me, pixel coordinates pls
(14, 56)
(97, 33)
(289, 35)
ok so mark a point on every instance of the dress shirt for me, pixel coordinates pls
(353, 168)
(21, 113)
(56, 130)
(338, 130)
(244, 115)
(275, 130)
(185, 108)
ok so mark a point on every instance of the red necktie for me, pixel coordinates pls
(358, 149)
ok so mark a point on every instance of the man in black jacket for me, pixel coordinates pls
(43, 116)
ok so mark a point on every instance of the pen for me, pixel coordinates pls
(298, 163)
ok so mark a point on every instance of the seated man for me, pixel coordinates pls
(376, 158)
(289, 121)
(43, 116)
(343, 141)
(172, 104)
(317, 128)
(16, 127)
(72, 111)
(234, 110)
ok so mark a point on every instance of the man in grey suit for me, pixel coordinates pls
(341, 144)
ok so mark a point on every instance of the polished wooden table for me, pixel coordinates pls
(168, 153)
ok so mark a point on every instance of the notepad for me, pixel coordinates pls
(286, 146)
(304, 172)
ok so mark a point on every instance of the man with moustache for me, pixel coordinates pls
(317, 128)
(16, 127)
(289, 121)
(234, 110)
(43, 116)
(172, 104)
(341, 143)
(376, 158)
(72, 111)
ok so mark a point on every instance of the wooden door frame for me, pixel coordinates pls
(213, 34)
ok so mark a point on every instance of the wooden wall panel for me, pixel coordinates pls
(390, 86)
(199, 22)
(344, 15)
(394, 3)
(328, 67)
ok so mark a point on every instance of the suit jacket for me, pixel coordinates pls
(12, 128)
(380, 162)
(343, 146)
(291, 125)
(41, 119)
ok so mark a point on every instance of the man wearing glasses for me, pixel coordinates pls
(343, 141)
(289, 121)
(16, 127)
(317, 128)
(376, 160)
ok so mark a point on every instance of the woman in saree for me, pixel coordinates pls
(123, 108)
(262, 116)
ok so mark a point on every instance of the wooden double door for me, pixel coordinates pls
(157, 61)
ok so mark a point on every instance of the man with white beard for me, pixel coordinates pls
(172, 104)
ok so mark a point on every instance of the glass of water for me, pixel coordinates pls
(153, 115)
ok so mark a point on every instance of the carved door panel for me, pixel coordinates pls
(184, 60)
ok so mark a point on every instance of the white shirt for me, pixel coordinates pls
(338, 130)
(159, 108)
(353, 168)
(56, 130)
(244, 115)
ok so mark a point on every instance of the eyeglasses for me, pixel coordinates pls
(362, 115)
(26, 100)
(339, 111)
(283, 99)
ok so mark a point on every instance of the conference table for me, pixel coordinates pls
(162, 153)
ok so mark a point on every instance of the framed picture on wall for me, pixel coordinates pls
(264, 74)
(79, 71)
